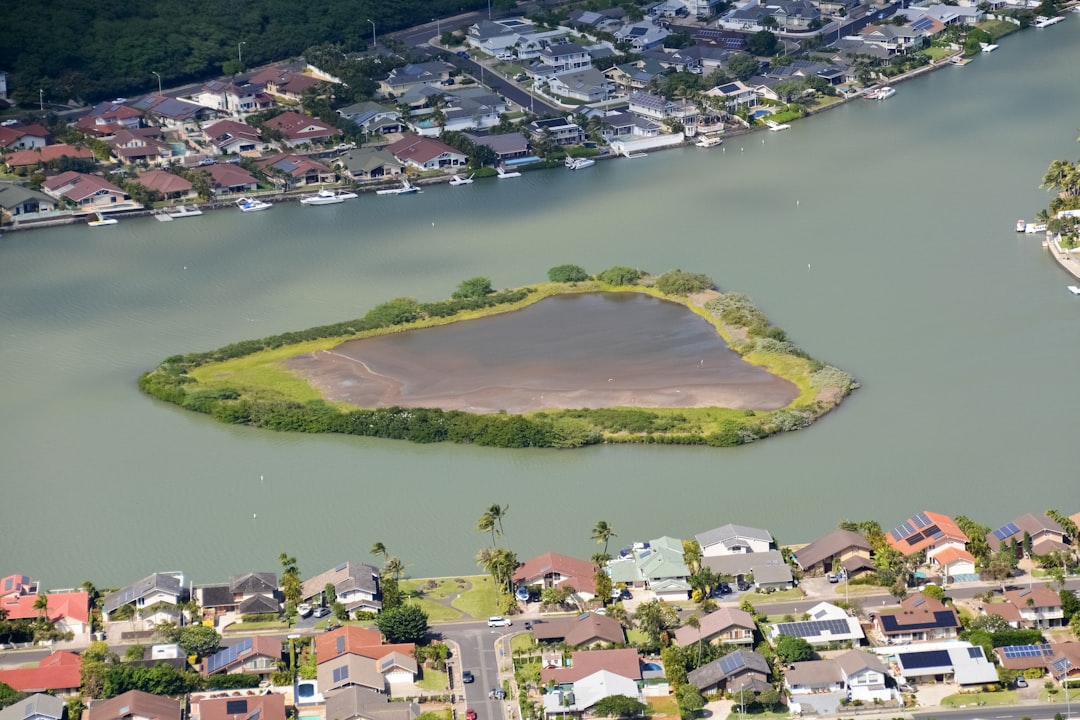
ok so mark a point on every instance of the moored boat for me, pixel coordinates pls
(579, 163)
(1032, 228)
(247, 204)
(885, 93)
(1042, 21)
(1021, 225)
(406, 188)
(102, 220)
(775, 126)
(328, 197)
(708, 141)
(1074, 290)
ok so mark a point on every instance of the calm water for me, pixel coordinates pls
(572, 351)
(880, 236)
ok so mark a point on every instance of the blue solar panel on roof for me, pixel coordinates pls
(813, 628)
(921, 520)
(731, 663)
(1023, 651)
(1061, 665)
(936, 534)
(975, 653)
(925, 659)
(227, 656)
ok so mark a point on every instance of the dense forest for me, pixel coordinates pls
(90, 50)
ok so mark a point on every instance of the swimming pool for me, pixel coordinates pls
(760, 113)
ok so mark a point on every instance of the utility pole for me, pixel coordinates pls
(239, 54)
(41, 99)
(373, 40)
(154, 72)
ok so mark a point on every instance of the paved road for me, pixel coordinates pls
(998, 712)
(477, 644)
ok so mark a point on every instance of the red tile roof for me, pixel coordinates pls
(297, 126)
(25, 158)
(163, 182)
(353, 638)
(951, 554)
(60, 671)
(624, 662)
(1040, 596)
(575, 573)
(10, 135)
(226, 175)
(76, 186)
(13, 584)
(915, 534)
(1003, 610)
(135, 703)
(74, 605)
(265, 707)
(419, 149)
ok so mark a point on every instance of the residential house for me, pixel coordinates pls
(587, 85)
(67, 611)
(407, 77)
(287, 83)
(465, 109)
(373, 118)
(634, 75)
(920, 619)
(88, 192)
(36, 707)
(1005, 611)
(298, 170)
(23, 137)
(952, 562)
(813, 676)
(496, 37)
(719, 39)
(827, 554)
(360, 703)
(660, 109)
(1045, 535)
(354, 656)
(229, 137)
(897, 39)
(580, 631)
(958, 661)
(726, 539)
(174, 112)
(1065, 663)
(790, 15)
(1039, 606)
(841, 8)
(142, 145)
(618, 125)
(57, 674)
(582, 695)
(561, 131)
(22, 160)
(853, 49)
(827, 625)
(254, 593)
(228, 178)
(684, 60)
(604, 20)
(583, 663)
(134, 705)
(367, 163)
(259, 655)
(926, 531)
(299, 129)
(642, 36)
(235, 98)
(269, 706)
(553, 569)
(657, 565)
(108, 117)
(425, 153)
(355, 584)
(715, 57)
(864, 675)
(169, 185)
(764, 569)
(508, 146)
(1024, 657)
(741, 669)
(726, 626)
(563, 57)
(949, 14)
(17, 201)
(735, 95)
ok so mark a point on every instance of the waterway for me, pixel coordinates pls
(879, 235)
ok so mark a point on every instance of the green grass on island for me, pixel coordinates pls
(250, 383)
(457, 598)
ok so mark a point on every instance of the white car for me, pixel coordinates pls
(498, 621)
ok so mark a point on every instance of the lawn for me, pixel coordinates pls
(269, 625)
(774, 597)
(663, 707)
(436, 612)
(433, 680)
(481, 600)
(759, 716)
(997, 29)
(439, 588)
(858, 589)
(636, 637)
(1005, 697)
(522, 643)
(936, 53)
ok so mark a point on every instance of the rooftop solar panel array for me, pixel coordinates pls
(925, 659)
(814, 628)
(1022, 651)
(1006, 531)
(227, 656)
(1061, 665)
(731, 663)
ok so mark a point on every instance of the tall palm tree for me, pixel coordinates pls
(486, 523)
(393, 568)
(498, 512)
(41, 604)
(379, 549)
(695, 623)
(1057, 175)
(491, 520)
(602, 533)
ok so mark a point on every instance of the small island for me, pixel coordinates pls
(622, 356)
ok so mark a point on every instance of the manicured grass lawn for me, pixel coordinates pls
(663, 707)
(759, 716)
(269, 625)
(522, 642)
(433, 680)
(936, 53)
(1005, 697)
(481, 601)
(438, 588)
(997, 29)
(781, 596)
(857, 589)
(633, 635)
(436, 612)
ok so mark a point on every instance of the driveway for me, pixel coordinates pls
(820, 703)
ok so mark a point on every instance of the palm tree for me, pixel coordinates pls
(41, 604)
(486, 523)
(379, 549)
(1057, 175)
(491, 520)
(393, 568)
(695, 623)
(602, 533)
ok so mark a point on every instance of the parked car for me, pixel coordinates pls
(833, 579)
(1021, 682)
(625, 595)
(463, 54)
(528, 624)
(743, 586)
(498, 621)
(496, 694)
(303, 609)
(467, 676)
(470, 714)
(321, 612)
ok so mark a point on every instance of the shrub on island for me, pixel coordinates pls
(678, 282)
(620, 275)
(567, 274)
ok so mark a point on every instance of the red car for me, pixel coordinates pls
(470, 714)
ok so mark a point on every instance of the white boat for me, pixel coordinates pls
(579, 163)
(102, 220)
(1042, 21)
(328, 197)
(405, 189)
(708, 141)
(988, 47)
(959, 60)
(247, 204)
(1074, 290)
(1021, 225)
(1032, 228)
(775, 126)
(458, 180)
(885, 93)
(183, 211)
(503, 174)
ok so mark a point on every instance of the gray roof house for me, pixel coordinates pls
(167, 588)
(740, 669)
(360, 703)
(767, 568)
(372, 117)
(369, 164)
(734, 539)
(36, 707)
(16, 200)
(409, 76)
(587, 84)
(356, 585)
(507, 146)
(823, 554)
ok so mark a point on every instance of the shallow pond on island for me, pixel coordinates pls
(569, 351)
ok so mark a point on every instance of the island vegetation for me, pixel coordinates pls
(1061, 217)
(248, 382)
